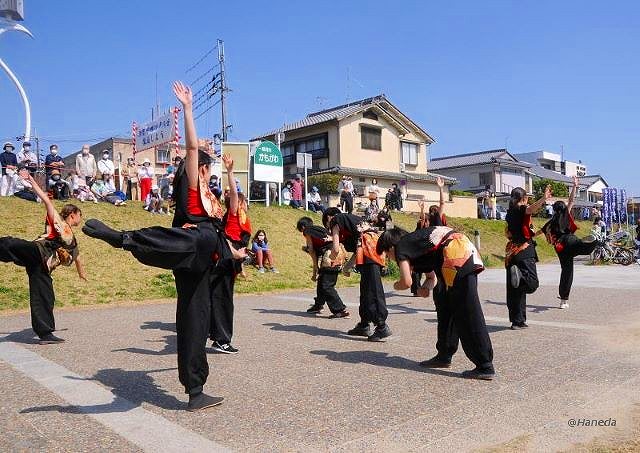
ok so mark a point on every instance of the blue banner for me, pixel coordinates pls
(606, 206)
(623, 206)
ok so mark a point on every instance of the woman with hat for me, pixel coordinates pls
(59, 187)
(315, 201)
(145, 176)
(9, 163)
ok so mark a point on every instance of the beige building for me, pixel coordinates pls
(369, 138)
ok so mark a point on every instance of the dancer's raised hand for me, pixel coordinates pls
(440, 182)
(183, 93)
(227, 160)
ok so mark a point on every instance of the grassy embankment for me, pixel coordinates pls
(116, 276)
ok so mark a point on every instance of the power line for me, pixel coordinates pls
(209, 71)
(207, 109)
(202, 59)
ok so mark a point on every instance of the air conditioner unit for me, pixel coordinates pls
(402, 167)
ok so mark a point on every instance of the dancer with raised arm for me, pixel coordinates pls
(191, 249)
(57, 246)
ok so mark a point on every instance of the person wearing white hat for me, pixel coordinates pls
(154, 203)
(105, 165)
(145, 178)
(86, 167)
(9, 163)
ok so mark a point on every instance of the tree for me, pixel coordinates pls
(558, 189)
(326, 183)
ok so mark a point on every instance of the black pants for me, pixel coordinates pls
(223, 279)
(460, 317)
(373, 306)
(517, 297)
(189, 253)
(326, 291)
(572, 248)
(415, 281)
(41, 296)
(346, 199)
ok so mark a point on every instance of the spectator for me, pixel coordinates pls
(166, 183)
(28, 158)
(130, 174)
(345, 189)
(297, 186)
(374, 191)
(105, 165)
(390, 200)
(273, 192)
(397, 194)
(286, 194)
(9, 163)
(86, 167)
(154, 203)
(58, 186)
(53, 161)
(79, 188)
(384, 219)
(214, 186)
(315, 201)
(260, 246)
(493, 204)
(371, 212)
(24, 188)
(104, 191)
(145, 176)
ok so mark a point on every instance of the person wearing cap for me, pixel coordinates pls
(9, 163)
(105, 165)
(58, 186)
(86, 167)
(145, 176)
(104, 190)
(130, 174)
(52, 161)
(153, 203)
(28, 158)
(315, 201)
(297, 187)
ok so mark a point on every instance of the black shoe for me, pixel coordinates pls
(315, 309)
(225, 348)
(479, 373)
(50, 339)
(515, 275)
(201, 401)
(97, 229)
(340, 314)
(519, 325)
(436, 362)
(380, 333)
(360, 330)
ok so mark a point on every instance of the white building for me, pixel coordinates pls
(553, 161)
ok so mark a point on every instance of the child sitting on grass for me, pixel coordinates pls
(260, 246)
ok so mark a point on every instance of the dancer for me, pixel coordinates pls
(237, 229)
(520, 254)
(325, 271)
(559, 231)
(346, 230)
(56, 246)
(188, 250)
(452, 263)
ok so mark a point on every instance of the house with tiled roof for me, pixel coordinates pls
(495, 170)
(365, 139)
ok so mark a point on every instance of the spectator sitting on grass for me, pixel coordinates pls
(24, 187)
(154, 203)
(286, 194)
(60, 188)
(260, 246)
(104, 191)
(79, 188)
(315, 201)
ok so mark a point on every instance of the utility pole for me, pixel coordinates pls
(223, 90)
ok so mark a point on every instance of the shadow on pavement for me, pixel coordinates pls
(382, 359)
(405, 310)
(26, 336)
(130, 388)
(159, 325)
(530, 308)
(277, 311)
(170, 347)
(312, 330)
(490, 328)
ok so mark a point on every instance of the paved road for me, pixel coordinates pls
(300, 384)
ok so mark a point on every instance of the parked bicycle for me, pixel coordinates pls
(614, 249)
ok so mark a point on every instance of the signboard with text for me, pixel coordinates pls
(155, 133)
(267, 163)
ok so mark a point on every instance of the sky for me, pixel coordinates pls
(525, 75)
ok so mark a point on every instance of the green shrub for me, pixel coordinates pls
(326, 183)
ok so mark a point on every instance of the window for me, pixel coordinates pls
(370, 115)
(486, 179)
(409, 153)
(371, 138)
(316, 145)
(162, 156)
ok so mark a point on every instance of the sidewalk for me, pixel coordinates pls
(299, 383)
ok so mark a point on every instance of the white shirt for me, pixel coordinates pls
(145, 172)
(27, 156)
(314, 197)
(105, 166)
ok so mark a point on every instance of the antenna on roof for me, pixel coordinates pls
(320, 101)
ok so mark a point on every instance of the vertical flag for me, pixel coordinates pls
(606, 214)
(614, 206)
(623, 206)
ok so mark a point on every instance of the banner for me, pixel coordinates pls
(155, 133)
(614, 206)
(622, 212)
(606, 206)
